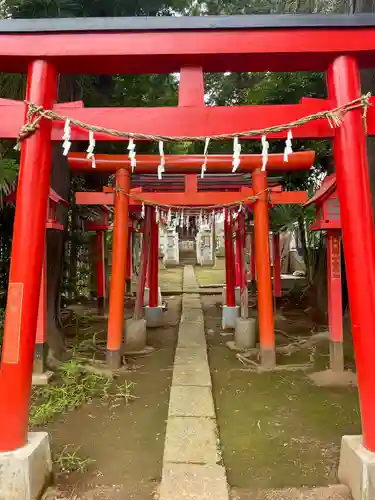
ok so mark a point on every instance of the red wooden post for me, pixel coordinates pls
(129, 262)
(276, 265)
(229, 261)
(154, 262)
(252, 256)
(145, 257)
(239, 256)
(117, 293)
(335, 300)
(26, 265)
(100, 271)
(357, 221)
(263, 269)
(41, 328)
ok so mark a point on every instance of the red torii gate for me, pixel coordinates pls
(335, 45)
(192, 197)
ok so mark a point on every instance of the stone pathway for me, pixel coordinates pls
(191, 449)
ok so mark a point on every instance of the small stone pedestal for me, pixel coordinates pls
(245, 333)
(230, 314)
(154, 316)
(357, 468)
(146, 297)
(24, 473)
(135, 335)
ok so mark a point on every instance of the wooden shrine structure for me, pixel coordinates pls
(336, 45)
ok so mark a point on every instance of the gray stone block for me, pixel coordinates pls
(229, 316)
(190, 335)
(25, 472)
(191, 402)
(196, 373)
(193, 482)
(357, 468)
(191, 440)
(190, 355)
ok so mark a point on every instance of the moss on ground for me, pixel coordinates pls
(276, 429)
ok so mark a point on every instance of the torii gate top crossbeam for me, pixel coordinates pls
(185, 164)
(164, 45)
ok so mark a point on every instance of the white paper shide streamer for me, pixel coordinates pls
(132, 158)
(236, 154)
(66, 137)
(143, 211)
(204, 166)
(157, 215)
(265, 147)
(288, 146)
(161, 167)
(90, 149)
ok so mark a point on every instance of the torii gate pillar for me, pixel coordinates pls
(263, 270)
(357, 221)
(26, 265)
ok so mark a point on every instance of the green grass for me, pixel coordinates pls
(73, 389)
(68, 460)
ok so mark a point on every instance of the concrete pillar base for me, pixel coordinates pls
(146, 299)
(135, 335)
(245, 334)
(25, 473)
(114, 359)
(336, 356)
(267, 357)
(42, 378)
(154, 316)
(230, 314)
(357, 468)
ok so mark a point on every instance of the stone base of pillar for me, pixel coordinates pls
(25, 473)
(154, 317)
(146, 299)
(357, 468)
(114, 359)
(42, 378)
(267, 357)
(135, 335)
(230, 315)
(245, 334)
(336, 356)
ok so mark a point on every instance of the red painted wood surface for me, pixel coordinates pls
(353, 186)
(280, 49)
(230, 277)
(276, 265)
(190, 164)
(263, 263)
(100, 264)
(153, 266)
(334, 286)
(119, 249)
(186, 199)
(186, 120)
(41, 327)
(26, 265)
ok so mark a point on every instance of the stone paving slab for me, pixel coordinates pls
(196, 373)
(191, 402)
(191, 440)
(191, 335)
(193, 482)
(190, 355)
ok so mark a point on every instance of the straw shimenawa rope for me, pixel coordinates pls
(186, 208)
(334, 116)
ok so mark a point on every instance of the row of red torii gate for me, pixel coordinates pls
(191, 47)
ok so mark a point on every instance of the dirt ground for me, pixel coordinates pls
(125, 443)
(276, 429)
(171, 279)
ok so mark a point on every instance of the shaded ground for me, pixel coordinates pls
(210, 276)
(125, 442)
(276, 430)
(171, 278)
